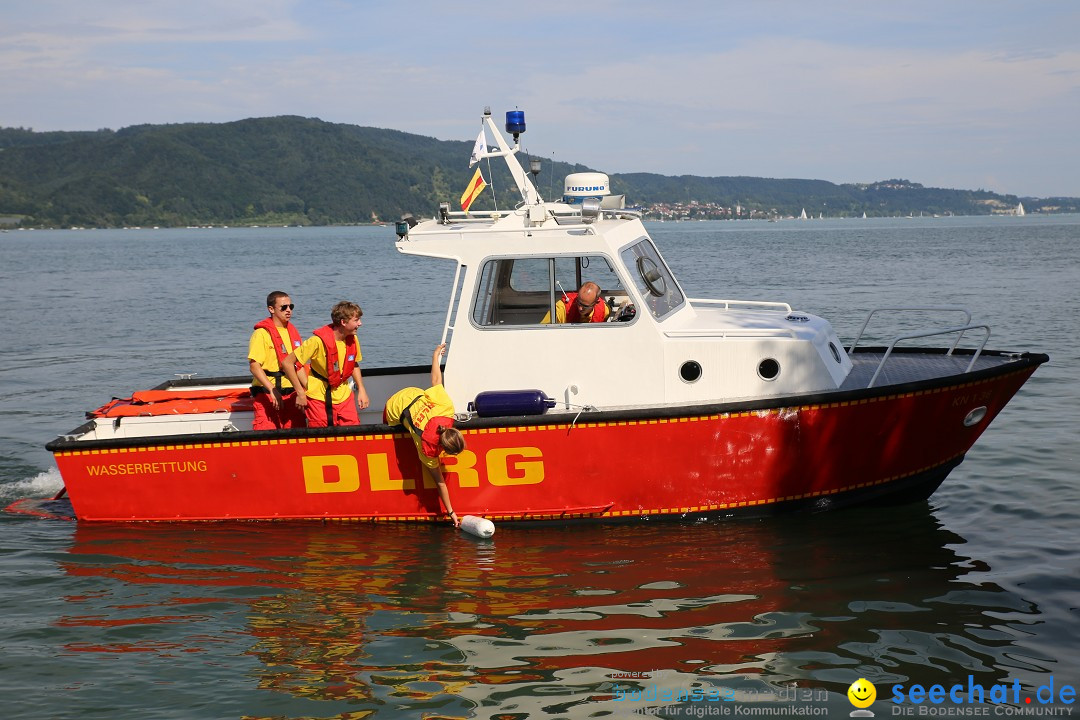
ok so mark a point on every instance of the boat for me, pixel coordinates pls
(802, 215)
(677, 408)
(1020, 209)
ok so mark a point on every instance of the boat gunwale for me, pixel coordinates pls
(1015, 362)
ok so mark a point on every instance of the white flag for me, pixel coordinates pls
(479, 148)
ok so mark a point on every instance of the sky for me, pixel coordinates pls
(969, 94)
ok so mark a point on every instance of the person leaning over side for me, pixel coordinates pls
(334, 354)
(271, 342)
(583, 306)
(428, 415)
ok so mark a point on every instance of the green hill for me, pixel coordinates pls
(297, 170)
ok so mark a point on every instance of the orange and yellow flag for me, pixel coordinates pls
(476, 186)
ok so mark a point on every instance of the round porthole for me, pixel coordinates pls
(835, 352)
(768, 369)
(690, 371)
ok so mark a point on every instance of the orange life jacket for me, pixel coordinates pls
(334, 375)
(267, 324)
(573, 313)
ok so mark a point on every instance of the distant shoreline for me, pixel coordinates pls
(297, 171)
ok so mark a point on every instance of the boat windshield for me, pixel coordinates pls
(652, 278)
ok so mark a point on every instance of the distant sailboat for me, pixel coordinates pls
(864, 216)
(803, 216)
(1020, 209)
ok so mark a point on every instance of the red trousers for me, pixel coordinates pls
(344, 412)
(267, 418)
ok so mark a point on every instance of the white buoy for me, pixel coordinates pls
(478, 526)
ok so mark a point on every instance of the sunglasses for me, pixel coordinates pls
(283, 308)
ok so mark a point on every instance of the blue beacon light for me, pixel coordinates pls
(515, 122)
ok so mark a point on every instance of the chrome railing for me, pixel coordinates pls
(746, 304)
(947, 308)
(959, 330)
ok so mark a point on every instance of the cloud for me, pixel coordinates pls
(845, 92)
(811, 109)
(97, 24)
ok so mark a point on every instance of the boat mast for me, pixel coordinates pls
(529, 194)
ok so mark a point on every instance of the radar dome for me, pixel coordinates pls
(581, 186)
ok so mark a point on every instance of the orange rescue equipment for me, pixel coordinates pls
(176, 402)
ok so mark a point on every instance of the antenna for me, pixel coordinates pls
(566, 297)
(551, 178)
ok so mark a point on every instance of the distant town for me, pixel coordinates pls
(693, 210)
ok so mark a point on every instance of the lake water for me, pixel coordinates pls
(978, 586)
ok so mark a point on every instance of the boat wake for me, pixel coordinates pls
(45, 484)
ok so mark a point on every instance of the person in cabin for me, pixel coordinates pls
(583, 306)
(271, 342)
(428, 416)
(334, 354)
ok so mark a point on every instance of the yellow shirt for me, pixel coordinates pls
(433, 402)
(262, 351)
(312, 350)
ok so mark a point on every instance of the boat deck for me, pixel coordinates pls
(907, 367)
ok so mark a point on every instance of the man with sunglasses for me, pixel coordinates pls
(274, 338)
(583, 306)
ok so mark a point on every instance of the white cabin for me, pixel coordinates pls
(659, 347)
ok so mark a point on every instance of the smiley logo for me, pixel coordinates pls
(862, 693)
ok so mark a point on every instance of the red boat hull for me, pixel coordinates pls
(835, 450)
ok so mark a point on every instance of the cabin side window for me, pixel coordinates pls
(528, 291)
(513, 291)
(652, 278)
(572, 272)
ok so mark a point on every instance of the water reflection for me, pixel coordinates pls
(541, 621)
